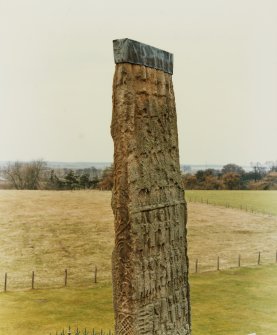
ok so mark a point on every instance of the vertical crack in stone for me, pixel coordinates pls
(150, 264)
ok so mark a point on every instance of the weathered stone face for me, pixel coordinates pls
(150, 265)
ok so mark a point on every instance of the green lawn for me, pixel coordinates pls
(233, 302)
(257, 201)
(41, 312)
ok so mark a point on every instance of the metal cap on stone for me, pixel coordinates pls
(134, 52)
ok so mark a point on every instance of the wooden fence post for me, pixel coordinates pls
(259, 258)
(33, 280)
(6, 281)
(217, 263)
(95, 274)
(239, 261)
(196, 265)
(65, 278)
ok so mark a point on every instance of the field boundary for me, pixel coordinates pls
(198, 265)
(245, 208)
(220, 263)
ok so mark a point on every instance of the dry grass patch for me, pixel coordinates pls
(216, 231)
(50, 231)
(47, 232)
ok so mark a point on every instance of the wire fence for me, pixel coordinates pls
(198, 264)
(69, 331)
(243, 207)
(41, 280)
(205, 264)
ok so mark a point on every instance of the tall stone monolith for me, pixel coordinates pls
(150, 264)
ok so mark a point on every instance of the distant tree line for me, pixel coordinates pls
(36, 175)
(232, 177)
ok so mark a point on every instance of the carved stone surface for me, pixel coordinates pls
(150, 265)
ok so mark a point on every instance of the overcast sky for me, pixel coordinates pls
(56, 70)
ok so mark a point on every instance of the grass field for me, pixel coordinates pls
(235, 302)
(48, 231)
(257, 201)
(232, 302)
(47, 311)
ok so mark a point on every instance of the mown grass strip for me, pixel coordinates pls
(233, 302)
(264, 202)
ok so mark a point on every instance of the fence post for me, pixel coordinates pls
(196, 265)
(276, 256)
(65, 279)
(6, 280)
(217, 263)
(95, 274)
(259, 258)
(239, 261)
(33, 280)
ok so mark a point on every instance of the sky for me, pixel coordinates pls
(56, 71)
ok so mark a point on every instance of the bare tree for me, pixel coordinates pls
(25, 175)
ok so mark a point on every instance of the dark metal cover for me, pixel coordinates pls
(130, 51)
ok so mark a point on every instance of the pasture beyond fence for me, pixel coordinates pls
(198, 265)
(228, 203)
(246, 208)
